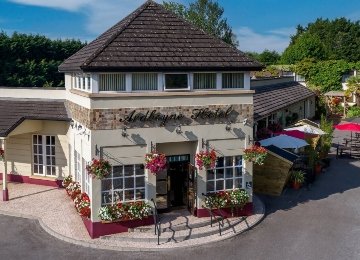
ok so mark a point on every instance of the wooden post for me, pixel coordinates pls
(5, 189)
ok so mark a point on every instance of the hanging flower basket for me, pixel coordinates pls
(255, 154)
(206, 159)
(155, 162)
(66, 181)
(2, 154)
(99, 168)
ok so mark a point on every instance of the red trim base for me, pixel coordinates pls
(6, 195)
(226, 212)
(27, 179)
(97, 229)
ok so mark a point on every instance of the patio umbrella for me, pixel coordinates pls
(307, 129)
(353, 127)
(284, 141)
(296, 134)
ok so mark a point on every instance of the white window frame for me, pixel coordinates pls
(177, 89)
(53, 168)
(234, 177)
(77, 167)
(120, 192)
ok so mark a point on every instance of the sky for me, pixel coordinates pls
(258, 24)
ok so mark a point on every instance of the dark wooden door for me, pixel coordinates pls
(192, 189)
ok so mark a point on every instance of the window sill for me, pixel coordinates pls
(38, 177)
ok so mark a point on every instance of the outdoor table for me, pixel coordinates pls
(341, 148)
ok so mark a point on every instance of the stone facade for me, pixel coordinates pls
(106, 119)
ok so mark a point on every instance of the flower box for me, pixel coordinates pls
(125, 211)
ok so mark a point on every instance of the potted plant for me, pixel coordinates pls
(82, 204)
(99, 168)
(155, 162)
(206, 159)
(255, 154)
(67, 180)
(73, 189)
(297, 178)
(124, 211)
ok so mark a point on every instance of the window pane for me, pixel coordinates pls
(106, 184)
(140, 194)
(48, 140)
(176, 81)
(204, 81)
(140, 181)
(229, 161)
(232, 80)
(219, 173)
(118, 184)
(210, 174)
(117, 171)
(129, 195)
(229, 184)
(139, 169)
(238, 183)
(52, 150)
(220, 185)
(238, 171)
(35, 169)
(238, 160)
(40, 150)
(48, 160)
(53, 160)
(112, 82)
(40, 160)
(35, 139)
(210, 186)
(39, 137)
(129, 170)
(229, 172)
(53, 140)
(48, 150)
(35, 159)
(129, 183)
(106, 197)
(144, 81)
(118, 195)
(220, 162)
(41, 169)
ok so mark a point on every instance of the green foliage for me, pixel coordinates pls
(353, 112)
(325, 39)
(323, 76)
(353, 84)
(33, 60)
(207, 15)
(297, 176)
(326, 140)
(266, 57)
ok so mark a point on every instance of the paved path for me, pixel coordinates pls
(320, 223)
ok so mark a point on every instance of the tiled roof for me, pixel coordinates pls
(152, 39)
(271, 98)
(14, 111)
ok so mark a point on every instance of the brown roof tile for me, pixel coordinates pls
(151, 31)
(271, 98)
(14, 111)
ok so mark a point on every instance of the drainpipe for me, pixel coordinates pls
(4, 177)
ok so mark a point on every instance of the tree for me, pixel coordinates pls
(353, 84)
(325, 39)
(33, 60)
(207, 15)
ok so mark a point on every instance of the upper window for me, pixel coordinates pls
(227, 174)
(112, 82)
(233, 80)
(82, 82)
(144, 81)
(204, 81)
(176, 81)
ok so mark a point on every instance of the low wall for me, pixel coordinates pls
(30, 180)
(226, 212)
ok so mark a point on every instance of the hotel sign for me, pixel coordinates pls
(156, 116)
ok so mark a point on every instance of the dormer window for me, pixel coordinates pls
(177, 81)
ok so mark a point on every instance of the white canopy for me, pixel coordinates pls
(284, 141)
(307, 129)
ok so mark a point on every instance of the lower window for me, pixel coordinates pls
(126, 183)
(44, 155)
(227, 174)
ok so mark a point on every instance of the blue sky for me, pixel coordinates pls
(258, 24)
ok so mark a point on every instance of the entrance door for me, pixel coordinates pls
(192, 187)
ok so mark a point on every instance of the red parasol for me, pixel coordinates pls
(297, 134)
(354, 127)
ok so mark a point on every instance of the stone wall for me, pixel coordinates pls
(105, 119)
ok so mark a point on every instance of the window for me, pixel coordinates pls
(144, 81)
(77, 167)
(44, 155)
(112, 82)
(126, 183)
(176, 81)
(232, 80)
(82, 81)
(227, 174)
(86, 177)
(204, 81)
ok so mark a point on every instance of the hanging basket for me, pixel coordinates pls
(99, 168)
(155, 162)
(255, 154)
(206, 159)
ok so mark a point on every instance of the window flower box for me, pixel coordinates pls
(99, 168)
(255, 154)
(155, 162)
(206, 159)
(124, 212)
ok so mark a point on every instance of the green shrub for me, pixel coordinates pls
(353, 112)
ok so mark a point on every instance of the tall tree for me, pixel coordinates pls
(207, 15)
(325, 39)
(266, 57)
